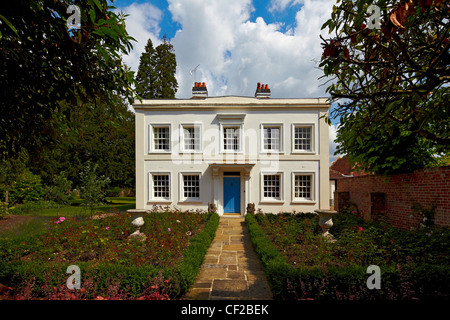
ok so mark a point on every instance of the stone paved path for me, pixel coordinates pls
(231, 269)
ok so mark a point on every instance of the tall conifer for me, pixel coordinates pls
(146, 75)
(156, 75)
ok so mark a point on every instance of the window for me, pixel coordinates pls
(191, 186)
(271, 187)
(160, 138)
(159, 186)
(303, 187)
(232, 138)
(191, 138)
(272, 138)
(231, 128)
(302, 138)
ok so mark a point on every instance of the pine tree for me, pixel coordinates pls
(166, 67)
(156, 75)
(146, 75)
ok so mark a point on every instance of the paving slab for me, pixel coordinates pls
(231, 269)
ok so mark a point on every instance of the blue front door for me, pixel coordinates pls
(232, 194)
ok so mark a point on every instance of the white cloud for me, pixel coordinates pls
(235, 53)
(333, 145)
(142, 23)
(281, 5)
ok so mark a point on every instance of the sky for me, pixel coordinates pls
(236, 44)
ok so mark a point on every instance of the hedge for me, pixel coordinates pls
(425, 281)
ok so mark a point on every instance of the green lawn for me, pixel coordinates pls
(76, 208)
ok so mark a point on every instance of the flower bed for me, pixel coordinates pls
(300, 263)
(164, 265)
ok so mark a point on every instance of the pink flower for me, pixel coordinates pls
(168, 229)
(107, 228)
(360, 229)
(61, 219)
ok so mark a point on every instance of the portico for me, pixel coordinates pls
(231, 183)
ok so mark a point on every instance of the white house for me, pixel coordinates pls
(231, 151)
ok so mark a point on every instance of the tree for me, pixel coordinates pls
(42, 63)
(92, 186)
(59, 191)
(146, 75)
(10, 171)
(391, 83)
(166, 67)
(98, 131)
(156, 75)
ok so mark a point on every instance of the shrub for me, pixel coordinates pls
(59, 192)
(28, 187)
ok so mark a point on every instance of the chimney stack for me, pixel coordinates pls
(199, 90)
(262, 91)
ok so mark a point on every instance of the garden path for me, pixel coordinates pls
(231, 269)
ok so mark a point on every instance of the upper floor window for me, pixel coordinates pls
(231, 128)
(272, 138)
(191, 140)
(302, 140)
(232, 138)
(159, 138)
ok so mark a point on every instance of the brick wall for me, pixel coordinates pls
(426, 187)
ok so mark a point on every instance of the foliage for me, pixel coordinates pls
(146, 75)
(300, 264)
(426, 215)
(92, 186)
(26, 188)
(391, 83)
(156, 75)
(59, 192)
(11, 169)
(97, 131)
(4, 210)
(112, 266)
(43, 63)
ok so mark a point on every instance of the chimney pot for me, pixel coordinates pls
(199, 90)
(262, 91)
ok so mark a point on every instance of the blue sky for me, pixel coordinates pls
(236, 43)
(262, 8)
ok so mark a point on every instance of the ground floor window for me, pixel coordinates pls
(191, 186)
(271, 187)
(303, 187)
(159, 186)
